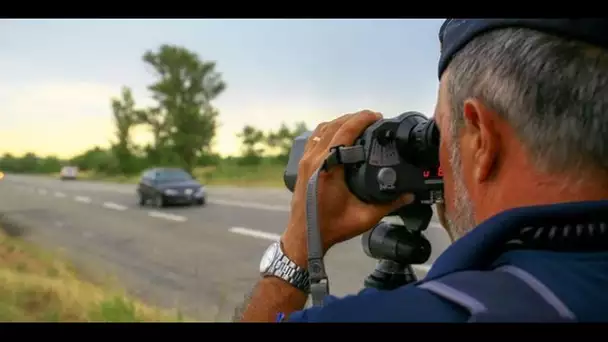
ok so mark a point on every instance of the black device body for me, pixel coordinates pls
(401, 156)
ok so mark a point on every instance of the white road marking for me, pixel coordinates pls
(250, 205)
(42, 191)
(59, 194)
(114, 206)
(284, 208)
(167, 216)
(82, 199)
(255, 233)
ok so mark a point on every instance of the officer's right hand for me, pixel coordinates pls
(342, 215)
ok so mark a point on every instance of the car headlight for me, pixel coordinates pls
(200, 190)
(170, 192)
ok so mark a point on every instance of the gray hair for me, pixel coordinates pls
(552, 91)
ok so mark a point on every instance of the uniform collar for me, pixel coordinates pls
(483, 245)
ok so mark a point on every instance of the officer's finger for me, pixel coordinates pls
(354, 127)
(330, 131)
(315, 137)
(374, 212)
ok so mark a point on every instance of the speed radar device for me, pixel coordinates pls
(391, 158)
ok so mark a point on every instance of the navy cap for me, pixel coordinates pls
(456, 33)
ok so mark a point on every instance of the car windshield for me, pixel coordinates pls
(172, 176)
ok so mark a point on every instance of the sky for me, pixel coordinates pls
(57, 76)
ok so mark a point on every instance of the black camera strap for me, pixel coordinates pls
(319, 282)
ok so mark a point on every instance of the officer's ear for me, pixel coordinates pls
(482, 139)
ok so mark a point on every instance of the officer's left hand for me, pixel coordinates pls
(341, 215)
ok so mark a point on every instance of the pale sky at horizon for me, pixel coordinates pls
(57, 76)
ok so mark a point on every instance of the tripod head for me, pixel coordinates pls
(397, 247)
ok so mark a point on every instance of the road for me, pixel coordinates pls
(202, 260)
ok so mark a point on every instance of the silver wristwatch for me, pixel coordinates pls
(276, 264)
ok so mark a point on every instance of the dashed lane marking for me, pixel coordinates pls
(114, 206)
(249, 205)
(167, 216)
(255, 233)
(82, 199)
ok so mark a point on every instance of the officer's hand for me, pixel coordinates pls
(341, 215)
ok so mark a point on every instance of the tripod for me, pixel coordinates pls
(397, 247)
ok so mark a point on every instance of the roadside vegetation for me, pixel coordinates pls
(37, 285)
(269, 175)
(40, 286)
(182, 123)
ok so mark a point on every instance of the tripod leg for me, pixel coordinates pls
(389, 275)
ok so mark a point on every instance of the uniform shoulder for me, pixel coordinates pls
(406, 304)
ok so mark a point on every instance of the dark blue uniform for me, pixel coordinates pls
(566, 274)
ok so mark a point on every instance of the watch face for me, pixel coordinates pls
(268, 257)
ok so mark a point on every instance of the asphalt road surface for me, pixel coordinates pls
(200, 259)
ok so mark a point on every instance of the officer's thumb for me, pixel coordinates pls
(407, 199)
(402, 201)
(380, 211)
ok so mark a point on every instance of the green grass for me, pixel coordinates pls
(39, 286)
(264, 175)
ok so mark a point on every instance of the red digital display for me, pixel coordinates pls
(429, 174)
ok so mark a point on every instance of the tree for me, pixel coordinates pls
(49, 164)
(29, 162)
(9, 163)
(158, 152)
(125, 117)
(185, 119)
(282, 139)
(96, 159)
(251, 139)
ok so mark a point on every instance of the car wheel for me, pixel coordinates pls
(200, 202)
(141, 199)
(159, 201)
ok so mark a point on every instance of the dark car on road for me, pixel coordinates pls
(165, 186)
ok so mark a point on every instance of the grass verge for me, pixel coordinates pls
(265, 175)
(39, 286)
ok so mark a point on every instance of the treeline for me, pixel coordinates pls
(183, 124)
(30, 163)
(258, 147)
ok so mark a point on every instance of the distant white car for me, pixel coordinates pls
(68, 173)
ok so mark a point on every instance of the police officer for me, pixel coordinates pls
(523, 114)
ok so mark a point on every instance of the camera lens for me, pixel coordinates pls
(418, 140)
(428, 143)
(432, 134)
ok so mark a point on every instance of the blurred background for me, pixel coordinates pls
(87, 107)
